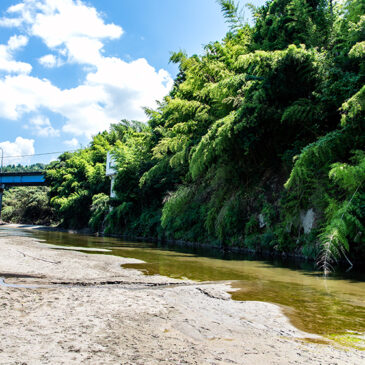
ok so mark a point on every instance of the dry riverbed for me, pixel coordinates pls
(65, 307)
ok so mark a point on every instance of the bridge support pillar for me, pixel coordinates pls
(2, 186)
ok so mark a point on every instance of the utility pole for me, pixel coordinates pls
(2, 159)
(1, 180)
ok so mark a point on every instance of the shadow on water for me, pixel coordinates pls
(327, 306)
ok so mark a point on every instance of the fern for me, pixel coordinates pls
(344, 220)
(339, 227)
(233, 14)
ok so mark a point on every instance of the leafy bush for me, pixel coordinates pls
(27, 205)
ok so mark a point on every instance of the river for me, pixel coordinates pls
(333, 307)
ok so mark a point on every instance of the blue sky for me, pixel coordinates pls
(69, 68)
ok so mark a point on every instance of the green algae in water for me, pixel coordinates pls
(354, 340)
(327, 306)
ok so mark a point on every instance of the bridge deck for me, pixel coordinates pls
(22, 178)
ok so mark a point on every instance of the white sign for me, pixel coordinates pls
(110, 165)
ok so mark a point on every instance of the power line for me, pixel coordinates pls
(39, 154)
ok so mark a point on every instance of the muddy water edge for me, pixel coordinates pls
(333, 307)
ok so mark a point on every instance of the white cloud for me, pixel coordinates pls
(57, 21)
(129, 85)
(21, 146)
(84, 50)
(41, 126)
(23, 93)
(80, 106)
(50, 61)
(16, 42)
(112, 89)
(71, 143)
(81, 21)
(12, 22)
(7, 62)
(16, 8)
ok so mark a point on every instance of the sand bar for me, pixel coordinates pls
(67, 307)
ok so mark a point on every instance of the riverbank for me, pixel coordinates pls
(38, 227)
(87, 309)
(176, 243)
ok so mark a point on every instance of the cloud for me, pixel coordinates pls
(7, 62)
(112, 88)
(57, 21)
(21, 146)
(84, 50)
(23, 93)
(50, 61)
(41, 126)
(71, 143)
(16, 42)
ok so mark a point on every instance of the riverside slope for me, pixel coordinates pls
(88, 309)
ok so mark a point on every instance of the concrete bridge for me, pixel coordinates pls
(8, 179)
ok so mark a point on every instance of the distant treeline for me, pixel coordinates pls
(260, 143)
(27, 168)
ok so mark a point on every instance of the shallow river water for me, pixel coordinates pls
(332, 306)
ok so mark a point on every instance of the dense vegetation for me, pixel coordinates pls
(265, 126)
(26, 168)
(27, 205)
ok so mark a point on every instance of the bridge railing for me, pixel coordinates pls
(22, 178)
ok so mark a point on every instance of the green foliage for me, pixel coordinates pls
(27, 205)
(358, 50)
(138, 194)
(76, 177)
(99, 209)
(21, 168)
(174, 215)
(349, 177)
(282, 100)
(232, 13)
(345, 215)
(343, 202)
(354, 111)
(280, 23)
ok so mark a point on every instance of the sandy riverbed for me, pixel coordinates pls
(104, 314)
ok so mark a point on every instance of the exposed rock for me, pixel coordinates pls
(307, 220)
(262, 222)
